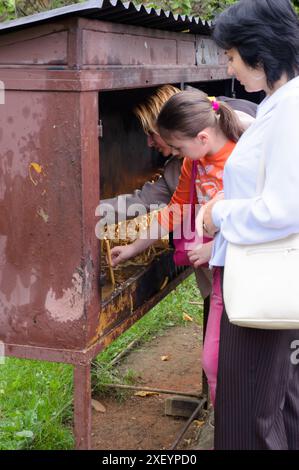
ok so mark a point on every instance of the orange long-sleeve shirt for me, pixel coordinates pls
(208, 183)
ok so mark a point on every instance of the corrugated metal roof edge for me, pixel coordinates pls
(96, 8)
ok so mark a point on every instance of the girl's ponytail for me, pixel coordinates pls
(229, 122)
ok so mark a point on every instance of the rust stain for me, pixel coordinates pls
(116, 310)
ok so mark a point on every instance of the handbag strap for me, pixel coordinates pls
(261, 175)
(193, 178)
(192, 189)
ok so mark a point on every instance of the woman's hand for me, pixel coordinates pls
(122, 253)
(201, 255)
(207, 221)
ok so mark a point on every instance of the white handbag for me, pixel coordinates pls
(261, 281)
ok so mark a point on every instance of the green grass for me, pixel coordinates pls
(33, 396)
(36, 397)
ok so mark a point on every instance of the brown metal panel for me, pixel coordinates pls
(117, 49)
(186, 52)
(49, 49)
(42, 275)
(107, 43)
(34, 32)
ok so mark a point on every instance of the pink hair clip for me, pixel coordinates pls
(214, 102)
(215, 105)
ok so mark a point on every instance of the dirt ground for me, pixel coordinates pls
(140, 423)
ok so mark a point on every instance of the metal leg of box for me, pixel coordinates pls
(82, 406)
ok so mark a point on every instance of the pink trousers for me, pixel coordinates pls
(211, 342)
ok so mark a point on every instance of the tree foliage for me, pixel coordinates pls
(10, 9)
(206, 9)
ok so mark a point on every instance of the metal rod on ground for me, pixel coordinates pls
(149, 389)
(125, 351)
(130, 346)
(185, 428)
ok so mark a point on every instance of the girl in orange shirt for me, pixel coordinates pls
(204, 131)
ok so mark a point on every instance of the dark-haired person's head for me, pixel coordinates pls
(265, 34)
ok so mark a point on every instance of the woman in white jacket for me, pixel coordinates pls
(257, 398)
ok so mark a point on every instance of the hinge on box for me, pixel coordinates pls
(100, 129)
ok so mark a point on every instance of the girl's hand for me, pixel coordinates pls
(122, 253)
(201, 255)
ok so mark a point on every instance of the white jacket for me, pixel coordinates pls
(243, 217)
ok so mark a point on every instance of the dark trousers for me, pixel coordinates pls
(257, 397)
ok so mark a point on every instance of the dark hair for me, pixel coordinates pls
(189, 112)
(265, 33)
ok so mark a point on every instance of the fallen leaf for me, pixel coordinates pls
(164, 358)
(96, 405)
(187, 317)
(144, 393)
